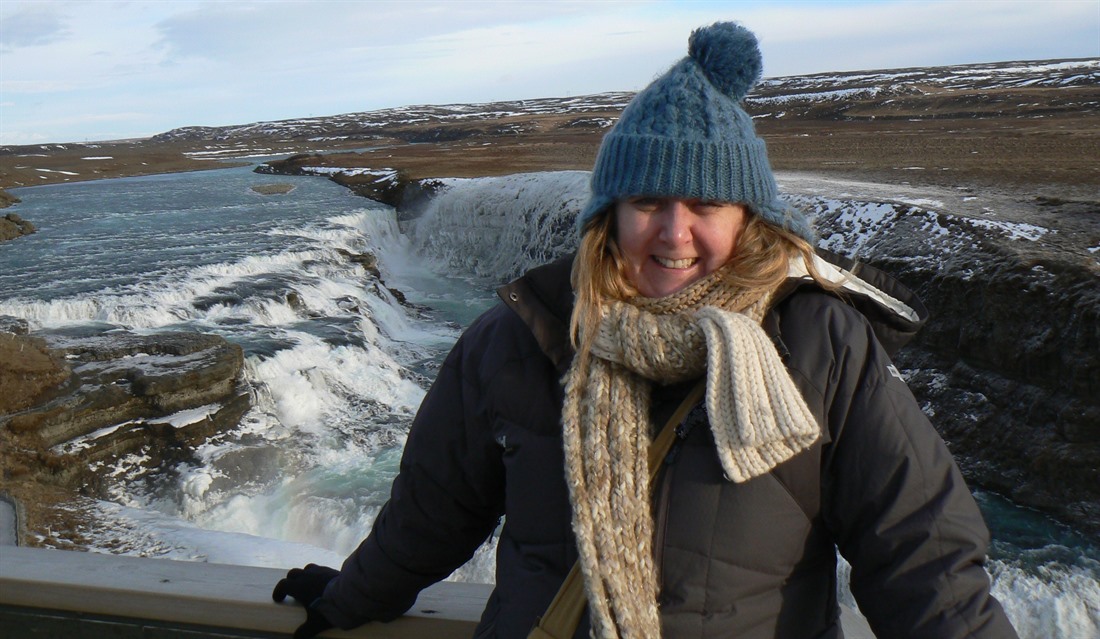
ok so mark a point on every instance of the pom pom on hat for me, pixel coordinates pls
(729, 56)
(686, 135)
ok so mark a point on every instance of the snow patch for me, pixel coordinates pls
(1014, 230)
(188, 417)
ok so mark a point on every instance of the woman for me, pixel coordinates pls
(690, 267)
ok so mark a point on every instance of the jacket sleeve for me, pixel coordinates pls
(445, 501)
(896, 503)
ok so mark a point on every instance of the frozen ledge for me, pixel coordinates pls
(96, 588)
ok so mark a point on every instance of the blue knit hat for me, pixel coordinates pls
(686, 136)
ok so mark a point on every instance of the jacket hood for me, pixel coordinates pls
(895, 313)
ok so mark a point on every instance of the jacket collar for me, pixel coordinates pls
(895, 312)
(543, 298)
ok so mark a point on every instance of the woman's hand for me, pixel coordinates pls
(306, 585)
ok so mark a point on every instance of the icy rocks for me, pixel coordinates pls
(111, 393)
(1008, 367)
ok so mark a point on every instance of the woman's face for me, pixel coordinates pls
(669, 243)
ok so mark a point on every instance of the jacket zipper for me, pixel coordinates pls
(664, 492)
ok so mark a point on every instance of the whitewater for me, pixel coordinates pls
(338, 359)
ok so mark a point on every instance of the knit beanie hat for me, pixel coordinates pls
(686, 136)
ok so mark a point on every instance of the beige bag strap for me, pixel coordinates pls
(563, 615)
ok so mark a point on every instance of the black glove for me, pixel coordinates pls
(306, 585)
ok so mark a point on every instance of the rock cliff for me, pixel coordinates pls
(72, 402)
(1008, 367)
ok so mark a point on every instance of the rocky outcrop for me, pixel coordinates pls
(125, 377)
(96, 397)
(13, 226)
(405, 195)
(7, 199)
(28, 370)
(272, 189)
(1009, 364)
(392, 187)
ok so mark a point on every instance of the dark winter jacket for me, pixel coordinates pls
(752, 559)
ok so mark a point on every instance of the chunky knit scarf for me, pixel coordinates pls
(756, 414)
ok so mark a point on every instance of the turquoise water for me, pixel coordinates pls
(336, 367)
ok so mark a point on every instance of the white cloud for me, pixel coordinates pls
(188, 62)
(31, 26)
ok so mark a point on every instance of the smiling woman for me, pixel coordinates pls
(693, 279)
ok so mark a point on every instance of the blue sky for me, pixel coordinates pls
(100, 70)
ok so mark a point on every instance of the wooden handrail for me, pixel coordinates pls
(202, 594)
(167, 592)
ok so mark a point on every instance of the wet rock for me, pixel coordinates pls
(122, 376)
(149, 447)
(13, 226)
(1080, 424)
(28, 370)
(367, 260)
(130, 407)
(14, 325)
(272, 189)
(7, 199)
(294, 300)
(157, 396)
(398, 295)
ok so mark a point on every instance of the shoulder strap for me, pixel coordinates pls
(663, 442)
(564, 613)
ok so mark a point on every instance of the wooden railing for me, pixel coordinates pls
(55, 593)
(61, 594)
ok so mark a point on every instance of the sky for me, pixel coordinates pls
(93, 70)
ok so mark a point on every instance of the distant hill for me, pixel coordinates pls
(1007, 123)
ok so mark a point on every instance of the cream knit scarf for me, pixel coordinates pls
(756, 413)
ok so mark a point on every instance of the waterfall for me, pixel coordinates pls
(497, 228)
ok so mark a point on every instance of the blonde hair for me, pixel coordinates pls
(760, 263)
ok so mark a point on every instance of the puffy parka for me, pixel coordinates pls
(747, 560)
